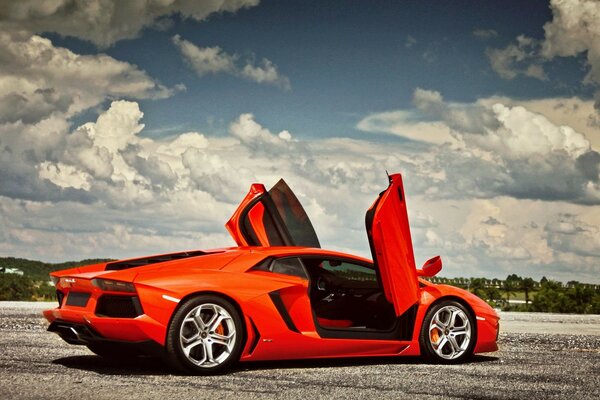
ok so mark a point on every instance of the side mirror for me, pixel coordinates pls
(431, 267)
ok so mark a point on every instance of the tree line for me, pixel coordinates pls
(538, 296)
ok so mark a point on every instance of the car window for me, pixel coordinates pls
(294, 217)
(350, 271)
(288, 266)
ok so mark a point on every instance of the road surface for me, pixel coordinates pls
(542, 356)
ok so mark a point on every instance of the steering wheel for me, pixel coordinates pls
(322, 284)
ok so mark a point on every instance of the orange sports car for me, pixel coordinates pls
(276, 296)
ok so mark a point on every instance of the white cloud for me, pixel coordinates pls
(38, 79)
(205, 60)
(573, 31)
(213, 60)
(104, 22)
(265, 72)
(148, 196)
(254, 136)
(497, 149)
(518, 59)
(65, 176)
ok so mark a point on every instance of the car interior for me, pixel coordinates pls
(344, 295)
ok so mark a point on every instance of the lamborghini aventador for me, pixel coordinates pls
(275, 296)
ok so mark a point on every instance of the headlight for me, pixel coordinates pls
(114, 286)
(54, 279)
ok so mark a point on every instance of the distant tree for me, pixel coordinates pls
(527, 284)
(492, 293)
(16, 287)
(510, 285)
(477, 287)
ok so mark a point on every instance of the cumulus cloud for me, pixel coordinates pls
(573, 31)
(104, 22)
(567, 233)
(256, 137)
(499, 149)
(520, 58)
(470, 118)
(205, 60)
(213, 60)
(148, 196)
(265, 72)
(38, 79)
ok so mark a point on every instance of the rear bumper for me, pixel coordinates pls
(80, 334)
(88, 327)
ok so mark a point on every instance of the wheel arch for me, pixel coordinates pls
(223, 296)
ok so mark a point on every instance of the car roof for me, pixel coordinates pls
(279, 251)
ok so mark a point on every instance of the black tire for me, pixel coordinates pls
(183, 328)
(448, 342)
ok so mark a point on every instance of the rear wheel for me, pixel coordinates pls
(448, 333)
(205, 336)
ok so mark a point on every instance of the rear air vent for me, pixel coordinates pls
(140, 262)
(77, 299)
(119, 306)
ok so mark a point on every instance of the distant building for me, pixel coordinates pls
(6, 270)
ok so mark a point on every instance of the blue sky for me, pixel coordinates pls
(132, 128)
(343, 61)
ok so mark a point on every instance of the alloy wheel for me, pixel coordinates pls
(450, 332)
(207, 335)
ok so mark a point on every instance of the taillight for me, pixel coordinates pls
(109, 285)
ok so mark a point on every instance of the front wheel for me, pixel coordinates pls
(448, 333)
(205, 336)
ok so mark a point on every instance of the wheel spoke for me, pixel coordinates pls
(454, 344)
(461, 330)
(193, 321)
(222, 339)
(453, 315)
(187, 349)
(186, 340)
(440, 345)
(198, 318)
(439, 322)
(214, 324)
(208, 350)
(436, 325)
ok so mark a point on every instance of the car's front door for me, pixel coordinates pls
(391, 246)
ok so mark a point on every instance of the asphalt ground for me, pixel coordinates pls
(541, 356)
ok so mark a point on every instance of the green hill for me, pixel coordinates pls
(38, 270)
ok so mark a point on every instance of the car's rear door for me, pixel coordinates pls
(273, 218)
(391, 246)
